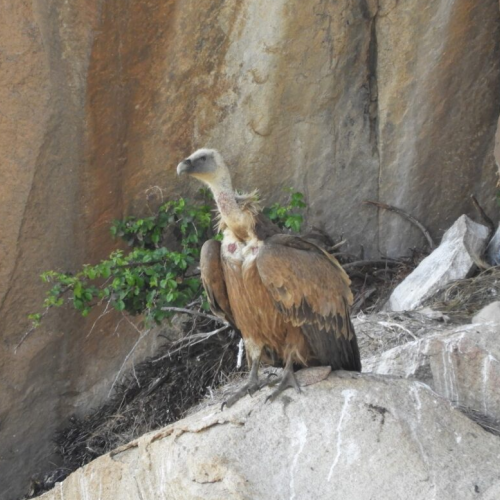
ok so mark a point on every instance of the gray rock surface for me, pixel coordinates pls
(353, 437)
(488, 314)
(497, 146)
(460, 247)
(461, 364)
(423, 85)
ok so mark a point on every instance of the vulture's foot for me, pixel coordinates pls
(251, 387)
(248, 389)
(287, 380)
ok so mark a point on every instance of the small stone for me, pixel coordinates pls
(309, 376)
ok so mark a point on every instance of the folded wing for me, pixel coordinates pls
(212, 277)
(311, 290)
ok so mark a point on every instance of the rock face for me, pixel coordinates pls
(422, 86)
(461, 364)
(45, 49)
(360, 437)
(344, 101)
(460, 248)
(497, 146)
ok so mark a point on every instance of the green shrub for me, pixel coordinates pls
(288, 216)
(152, 277)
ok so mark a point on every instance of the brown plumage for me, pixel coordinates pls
(215, 287)
(284, 293)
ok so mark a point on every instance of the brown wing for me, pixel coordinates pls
(212, 277)
(311, 290)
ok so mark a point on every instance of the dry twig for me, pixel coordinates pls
(372, 263)
(407, 216)
(193, 313)
(489, 223)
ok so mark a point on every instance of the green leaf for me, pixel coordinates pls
(77, 291)
(91, 273)
(119, 305)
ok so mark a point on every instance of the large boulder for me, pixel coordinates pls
(461, 364)
(350, 436)
(460, 248)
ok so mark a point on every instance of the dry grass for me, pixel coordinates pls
(462, 299)
(382, 331)
(489, 424)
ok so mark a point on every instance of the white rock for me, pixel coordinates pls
(348, 437)
(461, 364)
(452, 260)
(488, 314)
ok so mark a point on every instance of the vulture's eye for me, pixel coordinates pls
(203, 158)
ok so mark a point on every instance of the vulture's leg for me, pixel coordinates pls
(287, 380)
(252, 385)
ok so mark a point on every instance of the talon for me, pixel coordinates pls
(287, 380)
(252, 386)
(246, 390)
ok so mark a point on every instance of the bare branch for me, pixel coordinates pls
(34, 327)
(106, 311)
(371, 263)
(194, 313)
(407, 216)
(336, 246)
(142, 335)
(397, 325)
(241, 350)
(30, 331)
(139, 264)
(187, 341)
(489, 223)
(362, 298)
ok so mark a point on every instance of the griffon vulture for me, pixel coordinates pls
(284, 293)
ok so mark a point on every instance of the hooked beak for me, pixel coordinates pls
(184, 167)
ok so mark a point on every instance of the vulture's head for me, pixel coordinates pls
(206, 165)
